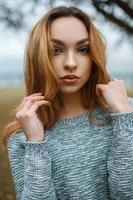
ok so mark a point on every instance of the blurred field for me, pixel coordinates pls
(8, 99)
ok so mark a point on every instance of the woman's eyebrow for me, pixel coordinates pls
(82, 41)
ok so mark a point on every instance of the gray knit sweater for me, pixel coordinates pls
(77, 160)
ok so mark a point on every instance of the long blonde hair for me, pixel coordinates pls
(40, 77)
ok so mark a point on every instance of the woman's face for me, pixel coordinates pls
(70, 53)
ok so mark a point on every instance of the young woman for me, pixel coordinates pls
(72, 138)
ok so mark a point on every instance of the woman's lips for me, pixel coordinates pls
(68, 80)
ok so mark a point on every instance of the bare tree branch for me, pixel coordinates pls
(111, 17)
(124, 6)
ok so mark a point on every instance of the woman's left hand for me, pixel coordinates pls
(114, 95)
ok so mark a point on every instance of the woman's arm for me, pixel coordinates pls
(31, 169)
(120, 160)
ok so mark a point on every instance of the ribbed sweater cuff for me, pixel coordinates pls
(122, 120)
(35, 148)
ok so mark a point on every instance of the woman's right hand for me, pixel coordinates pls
(27, 116)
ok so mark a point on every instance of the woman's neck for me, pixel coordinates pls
(72, 105)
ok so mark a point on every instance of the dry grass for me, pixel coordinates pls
(8, 99)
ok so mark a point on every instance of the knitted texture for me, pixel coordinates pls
(77, 161)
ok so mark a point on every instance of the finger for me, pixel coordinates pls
(31, 101)
(32, 95)
(28, 97)
(99, 89)
(35, 98)
(36, 105)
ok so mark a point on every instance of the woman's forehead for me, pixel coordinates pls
(68, 29)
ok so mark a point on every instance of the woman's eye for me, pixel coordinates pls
(57, 51)
(84, 50)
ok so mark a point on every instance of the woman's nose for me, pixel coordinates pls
(70, 61)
